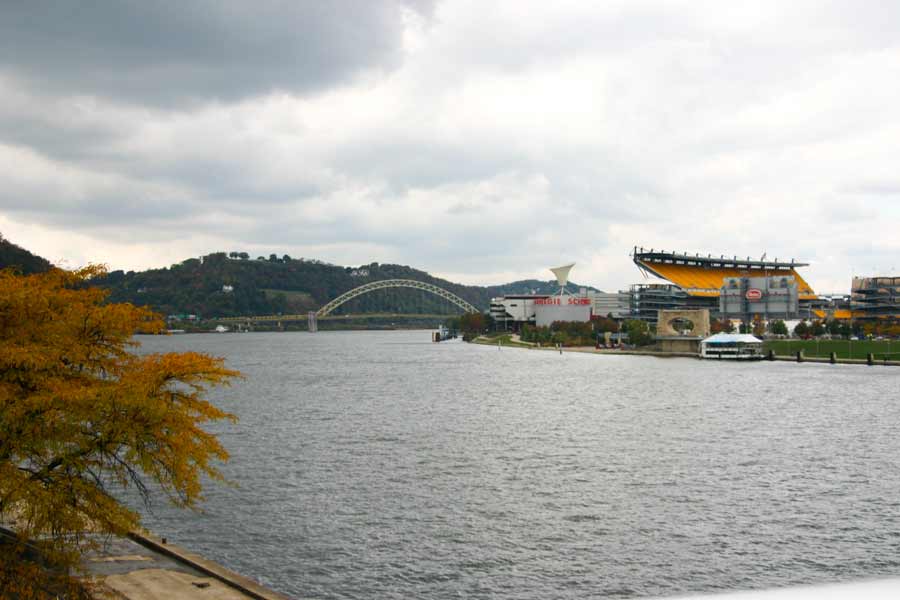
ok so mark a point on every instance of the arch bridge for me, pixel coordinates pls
(325, 311)
(394, 283)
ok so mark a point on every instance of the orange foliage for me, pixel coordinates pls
(82, 416)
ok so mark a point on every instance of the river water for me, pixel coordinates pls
(381, 465)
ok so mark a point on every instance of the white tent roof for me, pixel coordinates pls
(562, 274)
(730, 338)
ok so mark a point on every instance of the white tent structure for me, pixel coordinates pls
(562, 276)
(733, 346)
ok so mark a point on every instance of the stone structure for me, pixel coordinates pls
(699, 317)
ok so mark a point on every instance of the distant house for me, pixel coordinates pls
(227, 288)
(359, 273)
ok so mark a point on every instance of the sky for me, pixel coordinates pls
(480, 141)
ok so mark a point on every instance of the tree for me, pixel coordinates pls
(474, 324)
(759, 328)
(638, 332)
(779, 328)
(81, 416)
(722, 325)
(817, 328)
(603, 324)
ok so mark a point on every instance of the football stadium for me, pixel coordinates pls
(697, 281)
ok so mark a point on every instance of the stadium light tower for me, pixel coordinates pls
(562, 276)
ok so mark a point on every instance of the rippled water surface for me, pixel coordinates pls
(381, 465)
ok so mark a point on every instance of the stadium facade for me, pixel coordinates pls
(697, 282)
(647, 299)
(875, 298)
(743, 298)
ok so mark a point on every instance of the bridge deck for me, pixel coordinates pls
(303, 317)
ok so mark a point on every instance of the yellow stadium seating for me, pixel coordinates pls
(706, 281)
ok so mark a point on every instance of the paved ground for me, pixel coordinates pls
(153, 570)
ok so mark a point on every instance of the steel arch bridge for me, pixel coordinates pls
(395, 283)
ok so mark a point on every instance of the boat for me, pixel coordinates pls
(442, 334)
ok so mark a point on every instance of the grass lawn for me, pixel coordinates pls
(504, 340)
(844, 348)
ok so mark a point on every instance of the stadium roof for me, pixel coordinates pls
(704, 275)
(640, 253)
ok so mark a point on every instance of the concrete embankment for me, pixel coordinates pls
(145, 567)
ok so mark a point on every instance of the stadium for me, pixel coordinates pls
(697, 281)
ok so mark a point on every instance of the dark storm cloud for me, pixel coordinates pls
(169, 52)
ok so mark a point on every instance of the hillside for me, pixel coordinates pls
(219, 285)
(222, 285)
(533, 286)
(21, 259)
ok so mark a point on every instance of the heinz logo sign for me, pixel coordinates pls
(753, 294)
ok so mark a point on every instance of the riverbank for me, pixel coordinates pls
(510, 341)
(145, 567)
(142, 566)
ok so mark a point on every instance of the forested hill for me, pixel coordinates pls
(220, 284)
(21, 259)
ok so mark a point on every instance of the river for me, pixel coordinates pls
(382, 465)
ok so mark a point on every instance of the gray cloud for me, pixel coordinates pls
(482, 141)
(172, 52)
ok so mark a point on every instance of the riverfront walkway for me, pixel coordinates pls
(515, 342)
(143, 567)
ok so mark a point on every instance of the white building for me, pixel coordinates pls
(562, 308)
(513, 311)
(617, 304)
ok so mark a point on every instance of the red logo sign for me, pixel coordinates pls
(558, 301)
(753, 294)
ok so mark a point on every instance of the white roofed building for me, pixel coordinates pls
(732, 346)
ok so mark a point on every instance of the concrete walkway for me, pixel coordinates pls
(143, 567)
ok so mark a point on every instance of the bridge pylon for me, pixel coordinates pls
(312, 322)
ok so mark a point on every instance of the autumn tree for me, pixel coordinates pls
(82, 417)
(721, 325)
(759, 328)
(472, 325)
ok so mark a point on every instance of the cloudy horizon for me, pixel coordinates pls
(481, 143)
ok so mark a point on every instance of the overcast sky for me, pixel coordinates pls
(480, 141)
